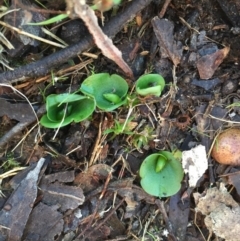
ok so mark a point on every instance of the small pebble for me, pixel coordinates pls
(7, 207)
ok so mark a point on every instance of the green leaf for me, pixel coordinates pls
(109, 91)
(150, 84)
(112, 98)
(65, 108)
(55, 19)
(161, 162)
(167, 181)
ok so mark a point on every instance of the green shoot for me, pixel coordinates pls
(10, 163)
(119, 128)
(55, 19)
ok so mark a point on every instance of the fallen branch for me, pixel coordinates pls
(45, 65)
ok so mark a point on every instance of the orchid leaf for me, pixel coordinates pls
(65, 108)
(161, 174)
(150, 84)
(109, 91)
(54, 19)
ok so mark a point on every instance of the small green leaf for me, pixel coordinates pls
(109, 91)
(150, 84)
(161, 162)
(115, 99)
(165, 183)
(65, 108)
(55, 19)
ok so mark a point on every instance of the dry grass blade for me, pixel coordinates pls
(12, 172)
(46, 31)
(101, 40)
(5, 41)
(31, 35)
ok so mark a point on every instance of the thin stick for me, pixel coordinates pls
(106, 185)
(62, 72)
(164, 8)
(195, 222)
(46, 64)
(31, 35)
(24, 137)
(96, 146)
(224, 120)
(25, 97)
(161, 207)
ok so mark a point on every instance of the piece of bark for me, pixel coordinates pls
(179, 214)
(19, 111)
(206, 84)
(66, 197)
(163, 29)
(16, 211)
(231, 10)
(44, 223)
(63, 177)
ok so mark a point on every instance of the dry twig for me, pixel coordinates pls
(45, 65)
(164, 8)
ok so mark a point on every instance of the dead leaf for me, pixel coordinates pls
(19, 111)
(104, 152)
(117, 226)
(63, 177)
(65, 160)
(208, 64)
(102, 233)
(130, 124)
(44, 223)
(206, 84)
(65, 197)
(163, 29)
(4, 90)
(179, 209)
(16, 211)
(133, 195)
(222, 212)
(90, 179)
(101, 40)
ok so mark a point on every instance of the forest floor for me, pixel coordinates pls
(82, 181)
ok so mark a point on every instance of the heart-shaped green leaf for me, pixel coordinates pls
(65, 108)
(109, 91)
(164, 182)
